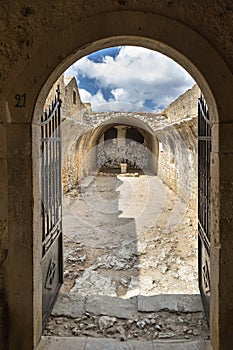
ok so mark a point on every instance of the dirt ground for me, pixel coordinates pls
(128, 235)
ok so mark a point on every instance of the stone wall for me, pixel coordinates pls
(72, 106)
(35, 48)
(111, 154)
(185, 106)
(73, 127)
(177, 161)
(74, 168)
(175, 129)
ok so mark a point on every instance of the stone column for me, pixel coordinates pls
(3, 229)
(221, 314)
(121, 136)
(19, 264)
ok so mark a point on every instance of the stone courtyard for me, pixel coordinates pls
(130, 254)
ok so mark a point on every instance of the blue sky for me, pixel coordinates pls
(129, 78)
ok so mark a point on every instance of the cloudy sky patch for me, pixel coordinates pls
(129, 78)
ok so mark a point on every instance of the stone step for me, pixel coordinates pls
(73, 305)
(170, 302)
(87, 343)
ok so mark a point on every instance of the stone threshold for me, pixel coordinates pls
(73, 305)
(88, 343)
(159, 318)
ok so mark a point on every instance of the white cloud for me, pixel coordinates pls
(135, 75)
(97, 101)
(118, 93)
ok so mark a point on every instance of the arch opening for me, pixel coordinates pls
(87, 145)
(203, 83)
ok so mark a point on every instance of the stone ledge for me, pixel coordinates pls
(69, 305)
(73, 305)
(112, 306)
(84, 343)
(170, 302)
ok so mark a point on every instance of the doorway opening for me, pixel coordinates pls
(126, 232)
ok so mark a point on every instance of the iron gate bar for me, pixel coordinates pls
(51, 169)
(204, 238)
(51, 206)
(204, 180)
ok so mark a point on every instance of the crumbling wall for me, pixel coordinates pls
(175, 128)
(178, 155)
(73, 127)
(110, 155)
(175, 163)
(74, 168)
(185, 106)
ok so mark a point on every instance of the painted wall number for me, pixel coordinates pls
(21, 100)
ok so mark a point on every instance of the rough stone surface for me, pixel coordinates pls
(71, 306)
(175, 161)
(182, 303)
(105, 305)
(106, 322)
(91, 282)
(60, 343)
(198, 34)
(184, 107)
(134, 154)
(103, 344)
(122, 225)
(103, 256)
(122, 319)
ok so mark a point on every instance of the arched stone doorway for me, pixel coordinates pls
(97, 31)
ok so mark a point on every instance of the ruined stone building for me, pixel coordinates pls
(146, 141)
(39, 41)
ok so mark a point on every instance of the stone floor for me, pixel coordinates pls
(128, 239)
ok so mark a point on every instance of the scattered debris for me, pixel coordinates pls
(118, 244)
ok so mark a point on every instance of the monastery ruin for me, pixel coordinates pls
(129, 223)
(109, 298)
(147, 141)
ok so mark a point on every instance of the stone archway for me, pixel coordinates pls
(103, 45)
(98, 29)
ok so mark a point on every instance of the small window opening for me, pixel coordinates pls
(133, 134)
(74, 97)
(110, 134)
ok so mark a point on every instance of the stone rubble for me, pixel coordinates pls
(111, 155)
(165, 323)
(113, 269)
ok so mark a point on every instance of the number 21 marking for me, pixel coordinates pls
(21, 100)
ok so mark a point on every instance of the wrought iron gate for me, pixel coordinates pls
(204, 231)
(51, 194)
